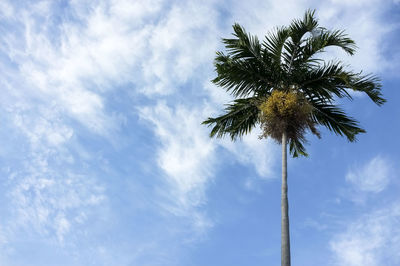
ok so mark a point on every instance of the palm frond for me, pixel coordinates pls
(241, 77)
(298, 28)
(336, 120)
(245, 69)
(332, 79)
(274, 45)
(244, 45)
(369, 84)
(323, 39)
(324, 81)
(240, 118)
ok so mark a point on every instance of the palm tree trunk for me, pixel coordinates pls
(285, 240)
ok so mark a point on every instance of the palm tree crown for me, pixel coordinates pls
(282, 85)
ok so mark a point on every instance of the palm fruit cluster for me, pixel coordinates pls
(286, 111)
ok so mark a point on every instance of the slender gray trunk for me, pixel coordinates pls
(285, 240)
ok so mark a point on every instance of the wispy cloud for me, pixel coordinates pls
(250, 150)
(373, 176)
(372, 240)
(366, 29)
(47, 202)
(186, 155)
(367, 180)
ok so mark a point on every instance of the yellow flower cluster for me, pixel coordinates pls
(285, 111)
(284, 105)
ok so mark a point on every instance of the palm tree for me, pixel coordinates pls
(284, 87)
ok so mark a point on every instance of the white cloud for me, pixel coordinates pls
(62, 226)
(183, 40)
(72, 65)
(7, 10)
(372, 240)
(186, 153)
(42, 131)
(367, 29)
(107, 45)
(188, 156)
(63, 71)
(267, 15)
(259, 153)
(67, 70)
(374, 176)
(48, 203)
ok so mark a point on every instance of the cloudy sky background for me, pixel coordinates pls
(103, 160)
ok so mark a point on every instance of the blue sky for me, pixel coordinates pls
(103, 160)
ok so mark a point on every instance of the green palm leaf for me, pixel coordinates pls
(241, 77)
(336, 120)
(240, 118)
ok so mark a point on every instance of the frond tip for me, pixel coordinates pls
(335, 119)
